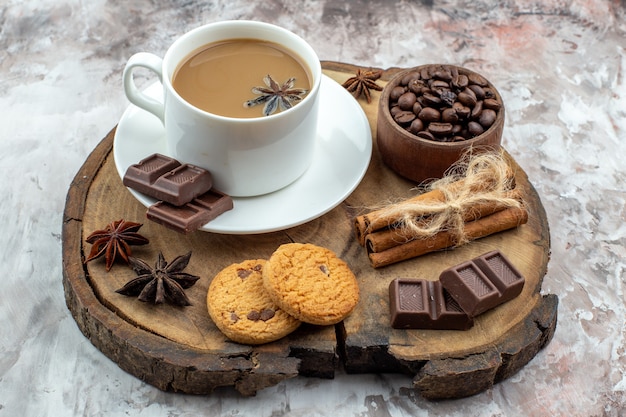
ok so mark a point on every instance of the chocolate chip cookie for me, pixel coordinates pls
(242, 309)
(311, 283)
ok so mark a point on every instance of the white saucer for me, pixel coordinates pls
(342, 155)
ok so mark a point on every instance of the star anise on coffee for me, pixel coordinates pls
(114, 241)
(164, 282)
(276, 96)
(363, 82)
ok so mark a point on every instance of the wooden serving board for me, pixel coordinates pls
(180, 349)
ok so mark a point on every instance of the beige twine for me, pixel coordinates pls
(485, 178)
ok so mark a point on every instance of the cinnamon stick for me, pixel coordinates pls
(376, 220)
(379, 219)
(384, 239)
(485, 226)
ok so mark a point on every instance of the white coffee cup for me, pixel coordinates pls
(246, 156)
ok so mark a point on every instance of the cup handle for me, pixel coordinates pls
(154, 64)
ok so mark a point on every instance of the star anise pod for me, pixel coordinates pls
(164, 282)
(275, 96)
(362, 83)
(114, 241)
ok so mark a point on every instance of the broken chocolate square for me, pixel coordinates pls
(193, 215)
(165, 179)
(422, 304)
(482, 283)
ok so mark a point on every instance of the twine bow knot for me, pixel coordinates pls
(476, 180)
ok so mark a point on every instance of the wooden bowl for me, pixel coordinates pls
(419, 159)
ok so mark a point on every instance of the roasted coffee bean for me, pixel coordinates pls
(404, 117)
(396, 92)
(431, 100)
(477, 110)
(417, 86)
(395, 110)
(477, 79)
(424, 134)
(416, 126)
(439, 85)
(461, 110)
(449, 115)
(440, 129)
(442, 74)
(428, 114)
(409, 77)
(461, 81)
(490, 103)
(475, 128)
(487, 118)
(489, 93)
(417, 107)
(467, 97)
(478, 91)
(407, 100)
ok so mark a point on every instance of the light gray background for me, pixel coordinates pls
(561, 69)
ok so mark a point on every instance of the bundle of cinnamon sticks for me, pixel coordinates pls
(476, 201)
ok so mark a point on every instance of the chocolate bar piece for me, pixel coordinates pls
(143, 174)
(422, 304)
(482, 283)
(193, 215)
(507, 279)
(166, 179)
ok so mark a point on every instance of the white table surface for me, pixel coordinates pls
(561, 69)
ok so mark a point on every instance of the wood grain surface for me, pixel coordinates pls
(180, 349)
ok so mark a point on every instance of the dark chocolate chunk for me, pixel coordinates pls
(143, 174)
(193, 215)
(469, 286)
(183, 184)
(422, 304)
(166, 179)
(233, 317)
(482, 283)
(253, 315)
(507, 279)
(267, 314)
(244, 273)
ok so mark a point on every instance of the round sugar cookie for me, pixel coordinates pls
(311, 283)
(242, 309)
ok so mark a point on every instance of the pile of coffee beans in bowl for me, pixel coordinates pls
(444, 103)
